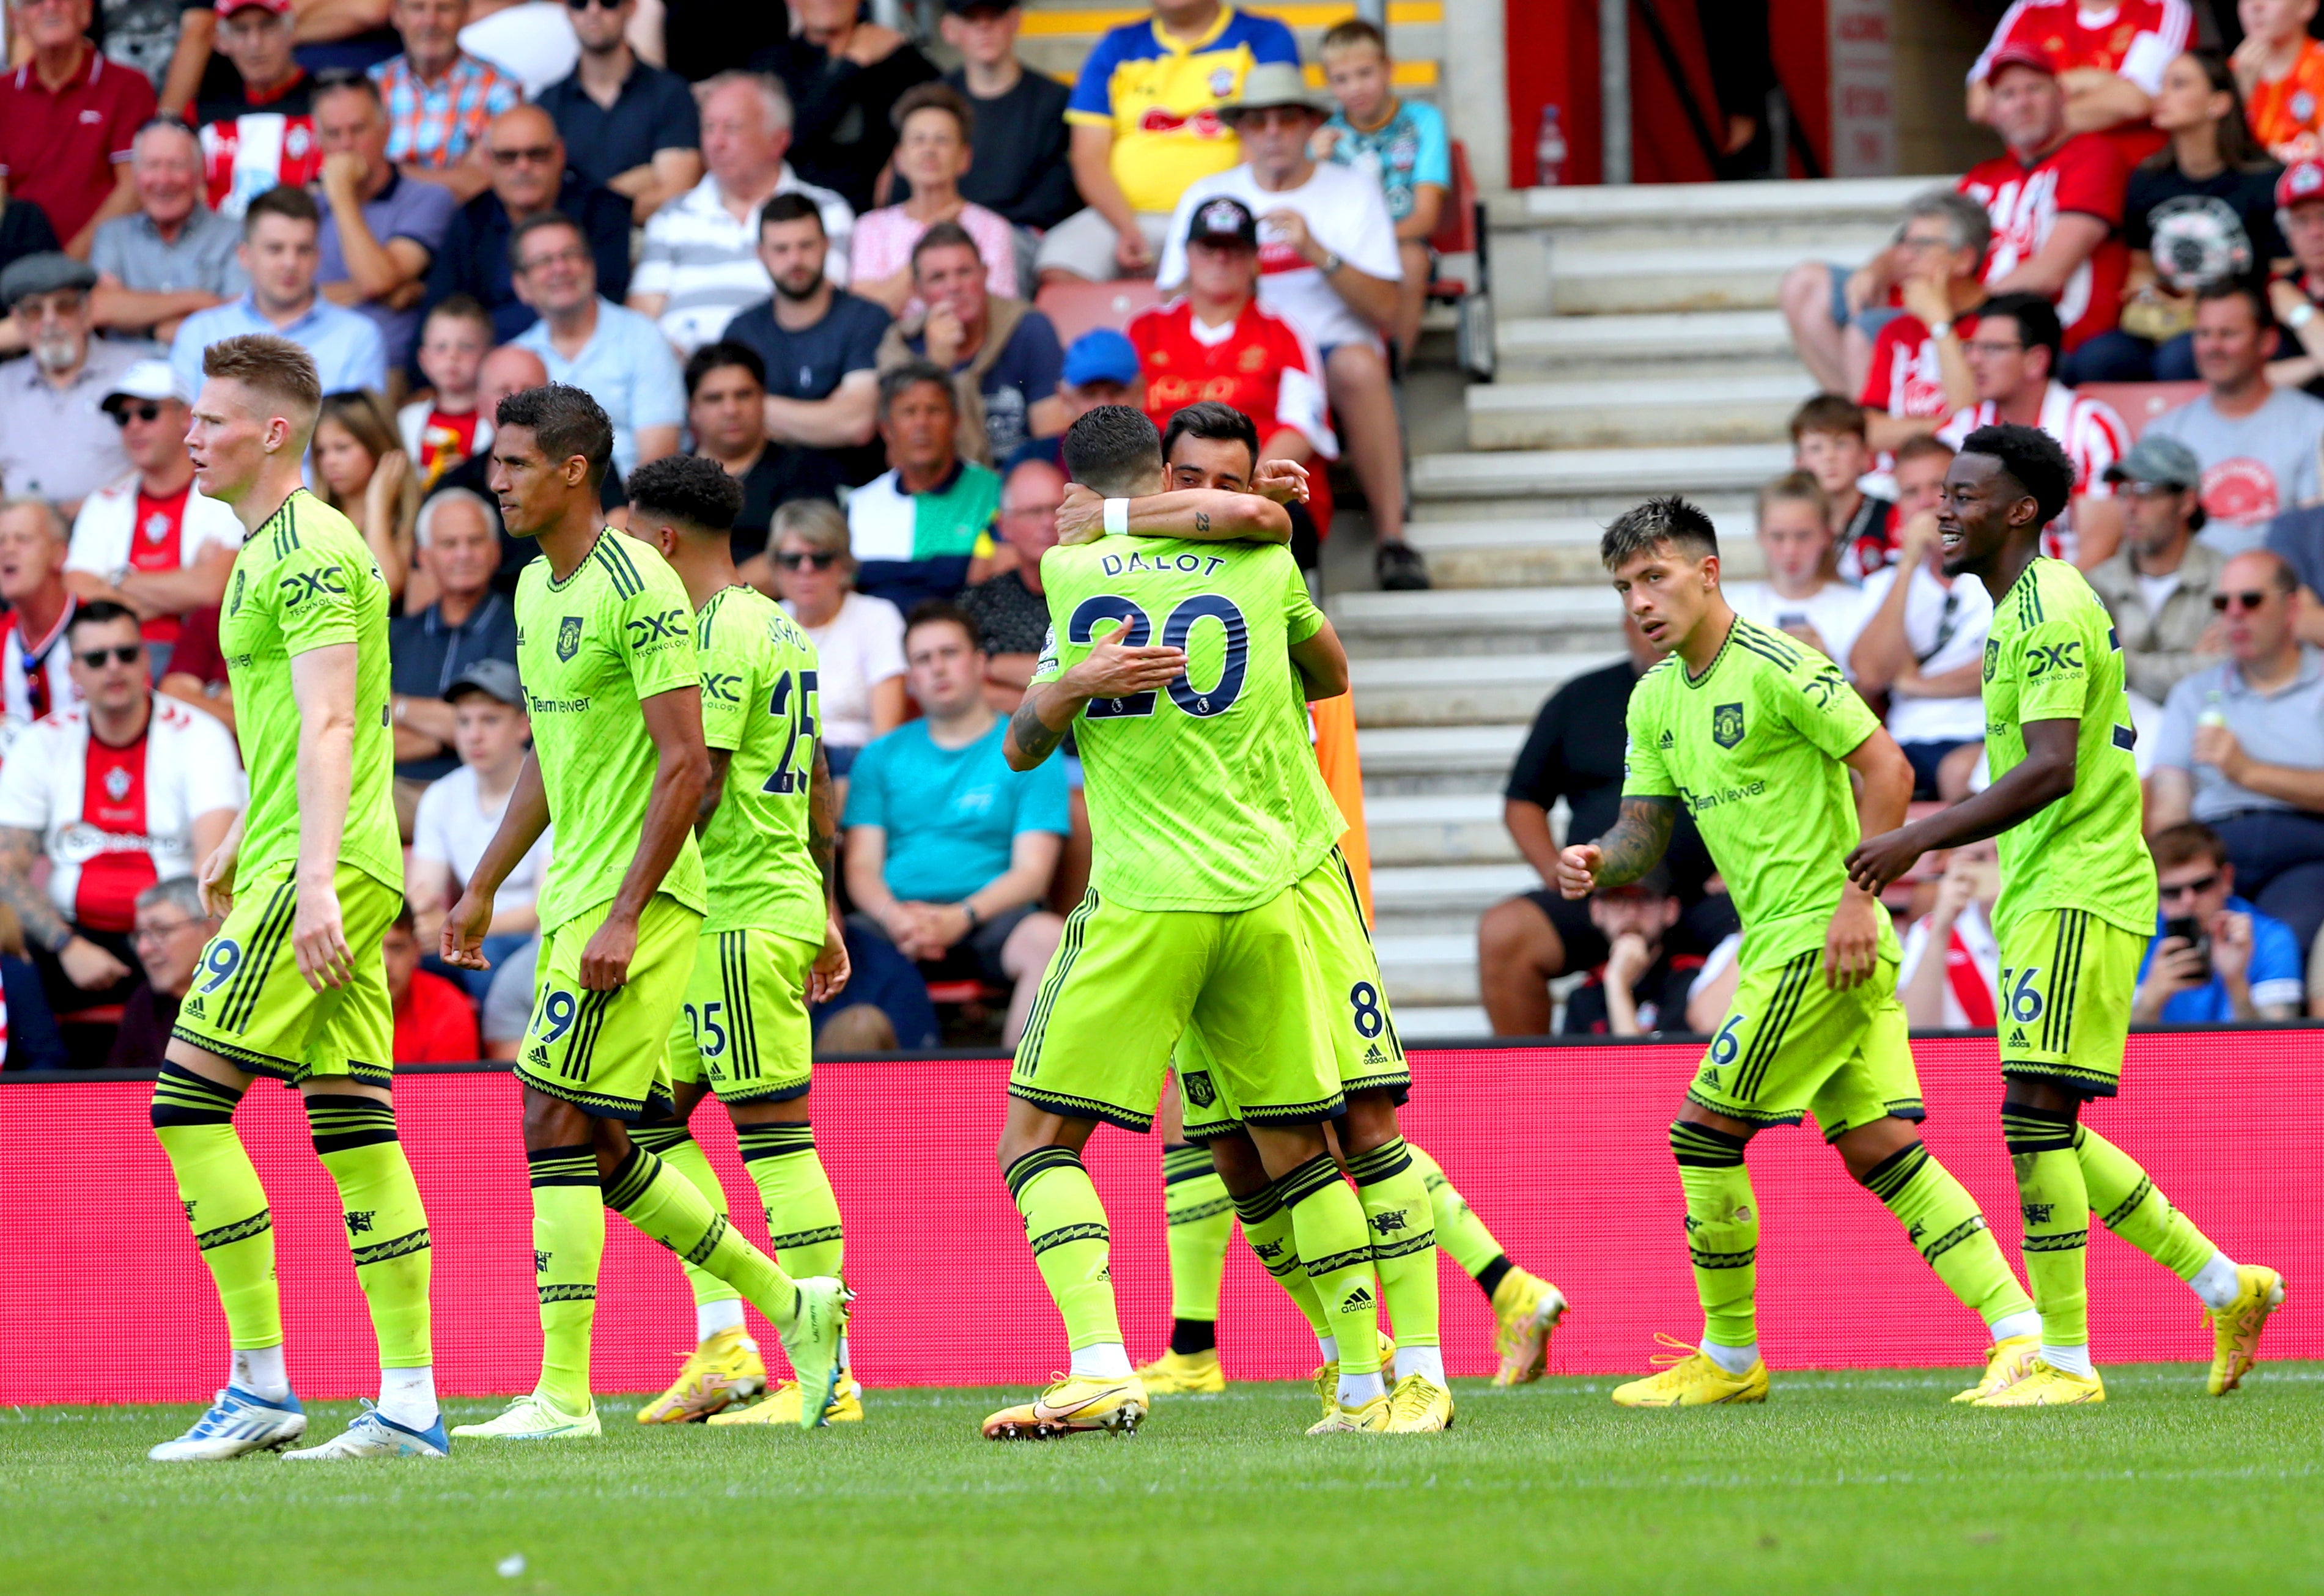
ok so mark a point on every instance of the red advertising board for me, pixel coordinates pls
(1560, 1150)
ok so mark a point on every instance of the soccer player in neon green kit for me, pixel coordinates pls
(606, 645)
(2078, 900)
(770, 945)
(1758, 736)
(309, 878)
(1169, 656)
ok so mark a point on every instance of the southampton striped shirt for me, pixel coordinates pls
(2093, 436)
(705, 261)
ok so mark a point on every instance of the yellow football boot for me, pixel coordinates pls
(1185, 1374)
(1069, 1406)
(2044, 1387)
(1418, 1407)
(2237, 1326)
(781, 1406)
(1527, 1309)
(723, 1369)
(1372, 1420)
(2006, 1363)
(1692, 1381)
(1327, 1376)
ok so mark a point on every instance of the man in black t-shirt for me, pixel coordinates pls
(1641, 989)
(1021, 167)
(1575, 752)
(843, 74)
(819, 347)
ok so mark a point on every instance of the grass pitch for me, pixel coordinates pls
(1860, 1481)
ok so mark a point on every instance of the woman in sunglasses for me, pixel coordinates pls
(861, 638)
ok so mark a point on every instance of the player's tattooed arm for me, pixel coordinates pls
(1207, 515)
(43, 926)
(1031, 738)
(822, 824)
(1637, 840)
(720, 758)
(1112, 669)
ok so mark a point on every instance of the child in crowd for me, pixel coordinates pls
(445, 426)
(1402, 143)
(1828, 444)
(2281, 71)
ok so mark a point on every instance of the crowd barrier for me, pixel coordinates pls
(1562, 1150)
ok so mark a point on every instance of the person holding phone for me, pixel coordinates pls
(2215, 957)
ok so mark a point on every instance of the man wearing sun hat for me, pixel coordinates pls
(1328, 263)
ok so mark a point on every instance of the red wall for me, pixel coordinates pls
(1561, 1152)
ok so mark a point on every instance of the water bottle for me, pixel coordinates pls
(1549, 149)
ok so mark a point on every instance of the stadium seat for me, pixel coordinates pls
(1075, 308)
(1457, 229)
(2138, 403)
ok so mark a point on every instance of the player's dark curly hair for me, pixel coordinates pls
(1645, 527)
(565, 422)
(1219, 422)
(688, 488)
(2035, 460)
(1113, 450)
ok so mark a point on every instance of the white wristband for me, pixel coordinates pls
(1116, 518)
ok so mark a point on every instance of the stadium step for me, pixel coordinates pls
(1430, 1023)
(1580, 413)
(1427, 971)
(1437, 829)
(1477, 621)
(1417, 759)
(1522, 549)
(1802, 216)
(1596, 482)
(1462, 689)
(1657, 344)
(1598, 279)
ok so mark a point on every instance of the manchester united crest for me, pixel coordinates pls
(1726, 725)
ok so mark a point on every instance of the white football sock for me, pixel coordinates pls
(1356, 1390)
(2215, 1282)
(2010, 1325)
(1735, 1360)
(2069, 1360)
(1103, 1360)
(258, 1371)
(710, 1318)
(1427, 1362)
(408, 1395)
(1328, 1346)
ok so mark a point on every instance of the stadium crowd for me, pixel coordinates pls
(2137, 271)
(818, 268)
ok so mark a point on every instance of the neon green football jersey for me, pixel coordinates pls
(1199, 795)
(306, 580)
(617, 630)
(2051, 654)
(758, 703)
(1754, 748)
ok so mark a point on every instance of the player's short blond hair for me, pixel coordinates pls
(275, 368)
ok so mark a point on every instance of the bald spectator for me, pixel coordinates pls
(281, 255)
(67, 117)
(2242, 747)
(382, 229)
(260, 134)
(33, 680)
(1145, 117)
(1011, 611)
(591, 343)
(439, 98)
(508, 369)
(56, 441)
(152, 542)
(632, 127)
(700, 263)
(528, 159)
(842, 74)
(458, 548)
(174, 255)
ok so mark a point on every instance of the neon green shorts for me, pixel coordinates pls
(744, 1028)
(609, 1052)
(1791, 1046)
(1124, 983)
(250, 1005)
(1364, 1045)
(2067, 981)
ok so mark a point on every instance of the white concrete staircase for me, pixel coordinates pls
(1639, 351)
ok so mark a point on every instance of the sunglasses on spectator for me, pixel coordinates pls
(2198, 886)
(124, 654)
(2248, 600)
(124, 414)
(813, 561)
(145, 935)
(533, 154)
(585, 4)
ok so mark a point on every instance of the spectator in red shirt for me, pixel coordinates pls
(1828, 444)
(434, 1021)
(1919, 373)
(2294, 299)
(2108, 59)
(68, 118)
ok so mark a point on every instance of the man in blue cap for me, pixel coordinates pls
(1101, 368)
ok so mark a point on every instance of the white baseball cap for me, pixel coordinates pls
(149, 379)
